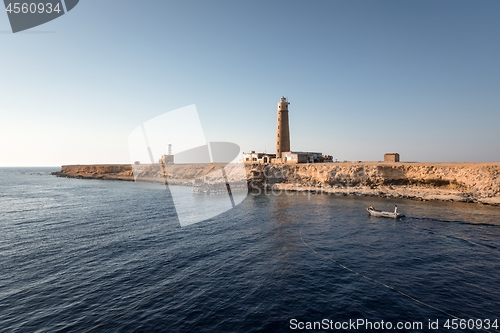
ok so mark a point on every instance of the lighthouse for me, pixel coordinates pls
(282, 130)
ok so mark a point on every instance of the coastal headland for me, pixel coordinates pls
(466, 182)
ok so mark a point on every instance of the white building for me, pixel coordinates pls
(257, 158)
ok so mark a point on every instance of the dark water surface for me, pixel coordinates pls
(110, 256)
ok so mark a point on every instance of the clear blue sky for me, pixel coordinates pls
(421, 78)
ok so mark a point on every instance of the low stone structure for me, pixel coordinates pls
(391, 157)
(167, 159)
(295, 157)
(257, 158)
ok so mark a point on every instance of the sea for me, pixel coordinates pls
(111, 256)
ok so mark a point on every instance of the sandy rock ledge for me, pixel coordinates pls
(465, 182)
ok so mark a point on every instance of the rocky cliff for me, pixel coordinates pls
(183, 174)
(475, 182)
(472, 182)
(97, 171)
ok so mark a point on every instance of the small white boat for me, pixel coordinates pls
(373, 212)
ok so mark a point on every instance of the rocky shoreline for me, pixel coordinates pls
(463, 182)
(97, 171)
(392, 192)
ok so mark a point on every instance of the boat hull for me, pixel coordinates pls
(379, 213)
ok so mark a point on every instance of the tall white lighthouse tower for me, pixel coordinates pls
(282, 130)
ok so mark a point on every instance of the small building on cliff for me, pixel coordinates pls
(294, 157)
(257, 158)
(167, 159)
(391, 157)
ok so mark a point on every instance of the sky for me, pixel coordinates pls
(364, 78)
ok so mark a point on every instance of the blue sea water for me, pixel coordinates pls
(110, 256)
